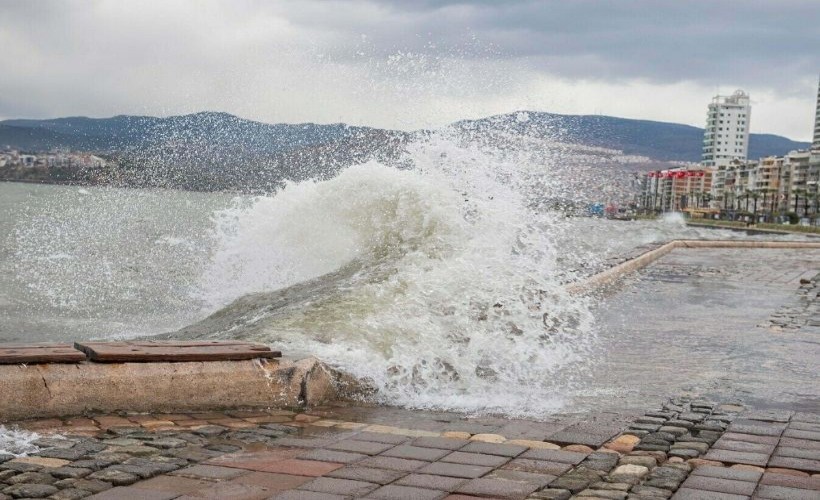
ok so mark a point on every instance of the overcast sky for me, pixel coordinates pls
(410, 63)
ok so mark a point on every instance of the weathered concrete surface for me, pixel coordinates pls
(651, 256)
(31, 391)
(724, 323)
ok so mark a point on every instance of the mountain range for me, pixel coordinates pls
(212, 150)
(222, 131)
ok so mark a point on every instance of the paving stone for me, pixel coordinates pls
(645, 427)
(454, 470)
(393, 463)
(646, 461)
(338, 486)
(798, 434)
(689, 494)
(804, 426)
(25, 490)
(427, 481)
(540, 480)
(301, 467)
(568, 457)
(728, 473)
(738, 457)
(381, 438)
(651, 447)
(415, 453)
(750, 438)
(552, 494)
(69, 472)
(789, 481)
(720, 485)
(692, 445)
(684, 453)
(806, 417)
(498, 488)
(675, 431)
(571, 483)
(367, 474)
(628, 473)
(757, 428)
(396, 492)
(210, 430)
(175, 484)
(680, 423)
(781, 416)
(31, 478)
(576, 437)
(784, 493)
(362, 447)
(62, 453)
(648, 491)
(651, 420)
(504, 450)
(804, 444)
(601, 461)
(459, 457)
(812, 466)
(92, 485)
(70, 494)
(210, 472)
(442, 443)
(691, 416)
(115, 477)
(797, 453)
(131, 493)
(602, 494)
(306, 495)
(340, 457)
(725, 444)
(306, 442)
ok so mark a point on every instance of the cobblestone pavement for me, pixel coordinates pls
(682, 450)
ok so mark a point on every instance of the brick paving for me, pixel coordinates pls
(686, 449)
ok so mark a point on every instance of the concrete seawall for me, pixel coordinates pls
(614, 273)
(46, 390)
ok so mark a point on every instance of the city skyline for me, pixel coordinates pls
(410, 65)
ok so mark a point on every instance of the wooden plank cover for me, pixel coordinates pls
(12, 354)
(144, 351)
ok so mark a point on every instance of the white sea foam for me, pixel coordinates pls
(17, 442)
(455, 301)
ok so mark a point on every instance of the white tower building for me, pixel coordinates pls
(815, 143)
(726, 137)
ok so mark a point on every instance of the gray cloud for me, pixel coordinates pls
(408, 63)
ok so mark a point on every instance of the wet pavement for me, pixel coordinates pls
(683, 449)
(726, 324)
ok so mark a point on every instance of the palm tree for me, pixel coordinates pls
(754, 196)
(797, 193)
(766, 192)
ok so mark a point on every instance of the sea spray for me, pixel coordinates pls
(437, 283)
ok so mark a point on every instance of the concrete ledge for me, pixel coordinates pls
(643, 260)
(48, 390)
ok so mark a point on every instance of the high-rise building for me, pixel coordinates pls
(815, 144)
(726, 136)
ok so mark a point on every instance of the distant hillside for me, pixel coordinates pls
(216, 130)
(656, 140)
(227, 133)
(215, 151)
